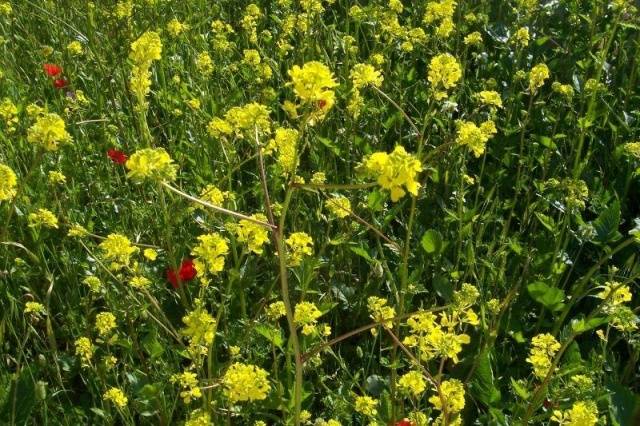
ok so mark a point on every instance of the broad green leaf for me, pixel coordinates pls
(271, 333)
(432, 241)
(606, 225)
(482, 384)
(363, 253)
(550, 297)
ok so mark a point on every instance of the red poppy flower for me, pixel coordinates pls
(60, 83)
(322, 103)
(404, 422)
(187, 272)
(117, 156)
(52, 70)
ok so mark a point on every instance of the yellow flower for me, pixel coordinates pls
(364, 74)
(582, 413)
(379, 311)
(306, 314)
(189, 384)
(56, 178)
(34, 308)
(300, 245)
(537, 76)
(140, 282)
(394, 171)
(543, 349)
(116, 396)
(49, 132)
(204, 64)
(84, 349)
(475, 137)
(218, 127)
(276, 310)
(77, 230)
(117, 249)
(43, 217)
(366, 405)
(246, 119)
(210, 253)
(199, 418)
(213, 195)
(313, 83)
(490, 97)
(200, 328)
(474, 38)
(451, 397)
(75, 48)
(319, 178)
(9, 114)
(151, 163)
(105, 323)
(150, 254)
(339, 206)
(8, 183)
(521, 37)
(253, 234)
(621, 293)
(93, 283)
(175, 27)
(245, 382)
(444, 73)
(412, 383)
(146, 49)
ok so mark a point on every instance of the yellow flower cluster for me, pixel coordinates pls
(140, 282)
(34, 308)
(75, 48)
(210, 253)
(49, 131)
(175, 27)
(285, 144)
(521, 37)
(9, 114)
(56, 178)
(475, 137)
(490, 98)
(581, 413)
(300, 245)
(537, 76)
(543, 349)
(105, 323)
(199, 418)
(366, 405)
(189, 383)
(339, 206)
(440, 13)
(93, 283)
(313, 84)
(116, 396)
(253, 234)
(245, 382)
(8, 183)
(450, 400)
(117, 249)
(42, 217)
(204, 64)
(473, 39)
(213, 195)
(616, 295)
(242, 121)
(152, 164)
(443, 74)
(84, 349)
(144, 51)
(363, 75)
(306, 315)
(200, 328)
(412, 383)
(276, 310)
(394, 170)
(380, 312)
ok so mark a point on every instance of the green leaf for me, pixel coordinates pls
(271, 333)
(546, 221)
(580, 326)
(550, 297)
(443, 287)
(624, 405)
(482, 384)
(23, 392)
(432, 241)
(606, 225)
(363, 253)
(329, 144)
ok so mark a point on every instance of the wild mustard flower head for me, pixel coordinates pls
(199, 418)
(210, 253)
(581, 413)
(300, 244)
(246, 119)
(188, 381)
(146, 49)
(213, 195)
(537, 76)
(105, 323)
(151, 164)
(313, 83)
(490, 98)
(49, 131)
(78, 231)
(380, 312)
(94, 283)
(8, 183)
(84, 349)
(276, 310)
(615, 293)
(139, 282)
(543, 349)
(75, 48)
(200, 328)
(475, 137)
(364, 75)
(339, 206)
(56, 178)
(396, 172)
(306, 315)
(451, 398)
(521, 37)
(412, 383)
(43, 218)
(285, 145)
(35, 308)
(366, 405)
(117, 249)
(245, 382)
(175, 27)
(117, 397)
(204, 64)
(443, 74)
(253, 234)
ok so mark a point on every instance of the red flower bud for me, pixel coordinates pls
(52, 70)
(117, 156)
